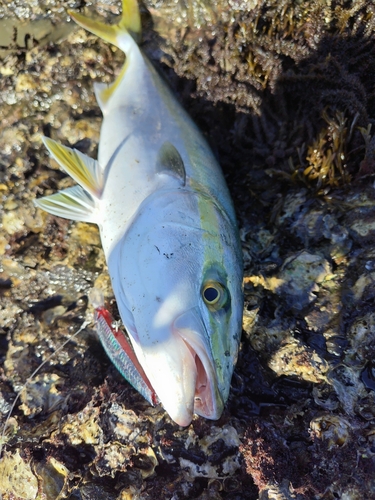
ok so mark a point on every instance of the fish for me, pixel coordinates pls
(168, 230)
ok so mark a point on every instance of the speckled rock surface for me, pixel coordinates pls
(285, 93)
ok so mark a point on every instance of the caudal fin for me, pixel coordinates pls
(125, 35)
(130, 22)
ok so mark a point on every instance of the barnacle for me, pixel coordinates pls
(334, 429)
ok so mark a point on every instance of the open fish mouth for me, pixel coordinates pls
(181, 370)
(208, 402)
(183, 379)
(204, 400)
(198, 392)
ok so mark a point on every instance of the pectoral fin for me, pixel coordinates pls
(72, 203)
(169, 162)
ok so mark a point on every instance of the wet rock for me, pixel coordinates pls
(295, 359)
(333, 428)
(53, 476)
(17, 478)
(298, 280)
(218, 450)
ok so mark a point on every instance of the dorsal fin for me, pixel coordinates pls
(169, 162)
(83, 169)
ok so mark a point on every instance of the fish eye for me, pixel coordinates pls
(211, 295)
(214, 294)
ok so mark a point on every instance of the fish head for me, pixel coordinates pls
(178, 287)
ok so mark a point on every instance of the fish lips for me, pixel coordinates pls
(208, 401)
(181, 370)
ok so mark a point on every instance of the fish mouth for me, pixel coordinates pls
(204, 402)
(180, 369)
(208, 402)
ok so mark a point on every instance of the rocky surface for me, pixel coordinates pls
(285, 93)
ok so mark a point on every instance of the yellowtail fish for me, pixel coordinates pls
(168, 231)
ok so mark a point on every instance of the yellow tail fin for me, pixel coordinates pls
(130, 22)
(131, 18)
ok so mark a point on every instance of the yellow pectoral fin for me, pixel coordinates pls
(84, 170)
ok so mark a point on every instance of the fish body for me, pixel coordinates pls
(168, 231)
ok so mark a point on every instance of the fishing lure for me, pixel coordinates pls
(118, 348)
(168, 231)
